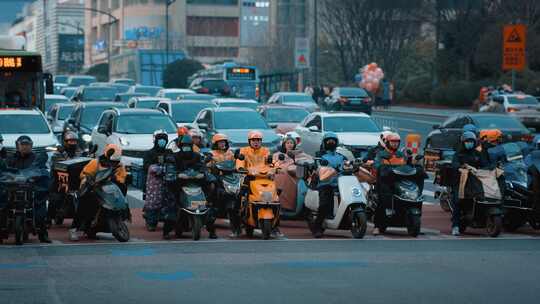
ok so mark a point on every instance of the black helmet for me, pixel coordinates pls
(24, 139)
(70, 135)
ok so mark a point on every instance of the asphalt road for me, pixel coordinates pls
(465, 271)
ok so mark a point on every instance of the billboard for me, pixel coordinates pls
(70, 53)
(254, 23)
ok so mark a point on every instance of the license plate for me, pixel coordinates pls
(197, 204)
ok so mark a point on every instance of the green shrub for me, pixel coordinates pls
(415, 90)
(456, 94)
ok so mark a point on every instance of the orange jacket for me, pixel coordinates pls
(219, 156)
(94, 166)
(253, 158)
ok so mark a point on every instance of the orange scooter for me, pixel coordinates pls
(260, 204)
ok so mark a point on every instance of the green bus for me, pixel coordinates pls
(22, 81)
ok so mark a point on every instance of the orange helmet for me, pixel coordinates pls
(255, 135)
(181, 131)
(112, 152)
(219, 137)
(493, 136)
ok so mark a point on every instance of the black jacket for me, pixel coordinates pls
(32, 160)
(188, 160)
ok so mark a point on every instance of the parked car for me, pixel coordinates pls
(150, 90)
(144, 102)
(294, 99)
(125, 97)
(349, 99)
(132, 130)
(173, 94)
(217, 87)
(356, 131)
(50, 100)
(79, 80)
(525, 108)
(69, 92)
(236, 124)
(99, 93)
(283, 118)
(184, 112)
(57, 115)
(236, 103)
(85, 117)
(126, 81)
(205, 97)
(101, 84)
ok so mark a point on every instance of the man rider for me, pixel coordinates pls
(372, 152)
(88, 206)
(326, 188)
(467, 153)
(25, 158)
(255, 154)
(153, 184)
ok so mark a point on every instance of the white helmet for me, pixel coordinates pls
(160, 131)
(382, 138)
(293, 135)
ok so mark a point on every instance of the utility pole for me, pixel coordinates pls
(316, 44)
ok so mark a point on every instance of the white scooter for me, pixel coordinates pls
(350, 199)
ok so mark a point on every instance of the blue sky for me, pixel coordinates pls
(10, 8)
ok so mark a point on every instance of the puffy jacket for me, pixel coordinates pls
(92, 168)
(253, 158)
(474, 158)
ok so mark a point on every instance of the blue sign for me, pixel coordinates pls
(143, 33)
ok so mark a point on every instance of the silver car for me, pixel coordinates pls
(294, 99)
(57, 115)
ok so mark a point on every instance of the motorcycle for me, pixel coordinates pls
(230, 181)
(481, 210)
(518, 206)
(113, 209)
(350, 198)
(406, 204)
(443, 178)
(24, 189)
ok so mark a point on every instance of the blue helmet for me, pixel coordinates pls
(467, 135)
(330, 135)
(470, 128)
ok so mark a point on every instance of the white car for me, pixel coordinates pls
(173, 94)
(16, 122)
(183, 112)
(132, 130)
(57, 115)
(356, 132)
(525, 108)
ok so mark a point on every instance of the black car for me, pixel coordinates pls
(217, 87)
(85, 117)
(349, 99)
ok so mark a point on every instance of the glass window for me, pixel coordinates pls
(240, 120)
(232, 104)
(186, 113)
(147, 104)
(99, 94)
(49, 102)
(297, 98)
(357, 92)
(526, 100)
(91, 115)
(150, 90)
(23, 124)
(350, 124)
(286, 115)
(502, 122)
(64, 112)
(144, 124)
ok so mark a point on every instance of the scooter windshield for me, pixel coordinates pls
(404, 170)
(111, 197)
(512, 152)
(226, 166)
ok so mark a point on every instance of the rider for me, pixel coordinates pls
(220, 149)
(3, 152)
(254, 154)
(466, 154)
(24, 158)
(390, 156)
(197, 138)
(326, 188)
(372, 152)
(153, 162)
(87, 208)
(490, 141)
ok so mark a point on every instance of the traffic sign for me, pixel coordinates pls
(514, 41)
(301, 53)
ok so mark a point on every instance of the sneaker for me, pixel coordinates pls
(212, 235)
(455, 231)
(376, 231)
(277, 233)
(317, 234)
(234, 234)
(73, 234)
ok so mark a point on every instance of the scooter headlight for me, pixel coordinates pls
(266, 196)
(231, 188)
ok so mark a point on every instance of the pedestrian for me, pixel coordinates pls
(386, 93)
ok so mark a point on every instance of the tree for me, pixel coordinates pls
(177, 72)
(100, 71)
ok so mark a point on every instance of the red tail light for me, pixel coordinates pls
(204, 90)
(257, 92)
(367, 100)
(527, 138)
(512, 110)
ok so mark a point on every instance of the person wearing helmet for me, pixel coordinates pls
(372, 152)
(470, 128)
(111, 158)
(466, 154)
(326, 188)
(220, 149)
(254, 154)
(153, 168)
(198, 144)
(25, 158)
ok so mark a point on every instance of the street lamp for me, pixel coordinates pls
(167, 4)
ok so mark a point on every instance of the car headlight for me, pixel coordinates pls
(124, 141)
(51, 149)
(87, 138)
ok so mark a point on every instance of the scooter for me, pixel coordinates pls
(113, 209)
(443, 178)
(405, 209)
(230, 181)
(350, 199)
(302, 172)
(23, 189)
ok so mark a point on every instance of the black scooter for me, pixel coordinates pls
(228, 192)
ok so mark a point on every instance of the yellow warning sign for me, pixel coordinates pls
(514, 52)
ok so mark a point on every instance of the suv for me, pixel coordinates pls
(294, 99)
(349, 99)
(79, 80)
(98, 93)
(525, 108)
(217, 87)
(150, 90)
(85, 117)
(132, 130)
(125, 97)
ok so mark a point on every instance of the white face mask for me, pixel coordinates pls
(1, 146)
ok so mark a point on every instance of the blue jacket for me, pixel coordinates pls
(335, 160)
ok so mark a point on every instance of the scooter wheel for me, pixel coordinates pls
(196, 226)
(118, 229)
(266, 226)
(493, 225)
(249, 231)
(358, 225)
(413, 227)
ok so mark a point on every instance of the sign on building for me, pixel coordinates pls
(70, 52)
(301, 53)
(514, 39)
(254, 23)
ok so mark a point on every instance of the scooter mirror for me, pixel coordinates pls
(323, 162)
(269, 159)
(281, 157)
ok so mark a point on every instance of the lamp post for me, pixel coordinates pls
(167, 4)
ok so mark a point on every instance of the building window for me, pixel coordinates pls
(213, 51)
(115, 4)
(213, 2)
(93, 6)
(134, 2)
(212, 26)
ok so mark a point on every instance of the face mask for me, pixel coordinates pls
(71, 148)
(469, 145)
(186, 149)
(161, 143)
(330, 146)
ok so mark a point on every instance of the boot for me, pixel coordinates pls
(211, 231)
(44, 236)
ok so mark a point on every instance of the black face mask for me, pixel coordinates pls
(71, 148)
(330, 146)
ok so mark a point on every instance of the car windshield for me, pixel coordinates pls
(239, 120)
(285, 115)
(120, 88)
(501, 122)
(90, 115)
(23, 124)
(68, 92)
(350, 124)
(49, 102)
(151, 91)
(175, 95)
(61, 79)
(99, 94)
(128, 82)
(64, 112)
(352, 92)
(126, 97)
(147, 104)
(144, 124)
(186, 112)
(297, 98)
(526, 100)
(246, 105)
(79, 81)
